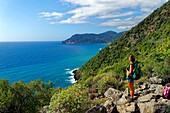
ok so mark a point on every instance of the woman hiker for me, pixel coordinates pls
(130, 72)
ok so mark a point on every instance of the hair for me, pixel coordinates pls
(132, 57)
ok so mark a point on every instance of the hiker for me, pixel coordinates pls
(130, 79)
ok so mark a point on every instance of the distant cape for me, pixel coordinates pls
(91, 38)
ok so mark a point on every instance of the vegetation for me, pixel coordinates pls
(24, 98)
(72, 100)
(106, 37)
(149, 41)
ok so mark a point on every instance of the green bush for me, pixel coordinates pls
(107, 69)
(89, 82)
(108, 80)
(24, 98)
(74, 99)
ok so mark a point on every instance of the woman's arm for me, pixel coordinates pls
(130, 70)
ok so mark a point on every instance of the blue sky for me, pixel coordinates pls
(56, 20)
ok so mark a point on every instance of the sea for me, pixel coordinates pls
(48, 61)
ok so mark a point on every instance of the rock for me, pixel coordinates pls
(121, 101)
(76, 75)
(97, 109)
(155, 80)
(145, 92)
(93, 90)
(138, 92)
(153, 87)
(110, 106)
(131, 108)
(146, 98)
(126, 92)
(113, 94)
(128, 108)
(162, 106)
(146, 107)
(165, 80)
(145, 86)
(159, 90)
(44, 109)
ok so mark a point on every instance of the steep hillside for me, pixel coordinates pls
(106, 37)
(149, 41)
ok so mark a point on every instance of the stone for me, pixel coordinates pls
(97, 109)
(93, 90)
(131, 108)
(77, 76)
(162, 107)
(146, 107)
(146, 98)
(121, 101)
(159, 90)
(153, 87)
(145, 92)
(110, 106)
(121, 108)
(113, 94)
(44, 109)
(155, 80)
(145, 86)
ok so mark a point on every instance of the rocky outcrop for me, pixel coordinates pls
(97, 109)
(113, 94)
(76, 75)
(148, 99)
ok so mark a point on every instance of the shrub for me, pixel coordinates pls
(74, 99)
(24, 98)
(108, 80)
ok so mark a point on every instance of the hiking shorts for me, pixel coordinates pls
(129, 79)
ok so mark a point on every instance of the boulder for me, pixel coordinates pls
(146, 107)
(110, 106)
(97, 109)
(159, 90)
(113, 94)
(155, 80)
(162, 106)
(146, 98)
(145, 86)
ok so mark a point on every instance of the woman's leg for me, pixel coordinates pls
(131, 87)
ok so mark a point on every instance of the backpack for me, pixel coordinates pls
(137, 72)
(166, 92)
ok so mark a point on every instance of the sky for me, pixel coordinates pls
(57, 20)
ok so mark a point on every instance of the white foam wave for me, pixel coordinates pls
(71, 78)
(67, 69)
(71, 72)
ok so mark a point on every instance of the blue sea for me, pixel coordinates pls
(52, 61)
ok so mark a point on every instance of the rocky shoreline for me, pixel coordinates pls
(76, 75)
